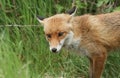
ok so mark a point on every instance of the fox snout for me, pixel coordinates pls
(56, 49)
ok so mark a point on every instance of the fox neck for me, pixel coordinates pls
(69, 38)
(71, 42)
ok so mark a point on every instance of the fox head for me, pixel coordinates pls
(57, 29)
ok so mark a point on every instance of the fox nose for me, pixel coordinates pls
(54, 50)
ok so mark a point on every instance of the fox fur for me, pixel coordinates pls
(93, 35)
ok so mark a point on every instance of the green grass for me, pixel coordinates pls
(24, 52)
(26, 55)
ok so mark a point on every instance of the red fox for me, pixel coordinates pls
(93, 35)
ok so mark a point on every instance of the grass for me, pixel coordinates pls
(27, 55)
(24, 52)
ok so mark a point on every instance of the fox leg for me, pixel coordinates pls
(97, 65)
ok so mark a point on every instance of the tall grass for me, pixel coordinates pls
(24, 52)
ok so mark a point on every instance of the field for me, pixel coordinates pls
(24, 52)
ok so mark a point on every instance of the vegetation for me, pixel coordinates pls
(24, 52)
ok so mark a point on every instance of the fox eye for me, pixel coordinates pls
(48, 35)
(60, 34)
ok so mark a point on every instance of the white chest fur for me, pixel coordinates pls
(70, 42)
(73, 44)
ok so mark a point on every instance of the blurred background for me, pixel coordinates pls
(24, 52)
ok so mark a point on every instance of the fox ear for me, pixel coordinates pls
(40, 19)
(72, 11)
